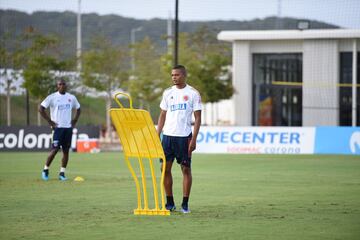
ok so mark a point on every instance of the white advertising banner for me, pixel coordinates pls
(267, 140)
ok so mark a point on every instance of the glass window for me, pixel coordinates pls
(345, 90)
(277, 89)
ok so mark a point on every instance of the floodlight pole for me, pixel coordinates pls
(133, 40)
(176, 44)
(78, 42)
(278, 19)
(169, 34)
(27, 108)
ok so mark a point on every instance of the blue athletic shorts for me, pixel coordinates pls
(177, 147)
(62, 138)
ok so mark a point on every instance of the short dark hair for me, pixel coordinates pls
(181, 68)
(59, 80)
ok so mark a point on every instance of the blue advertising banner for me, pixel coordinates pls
(257, 140)
(337, 140)
(279, 140)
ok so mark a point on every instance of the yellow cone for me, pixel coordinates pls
(79, 179)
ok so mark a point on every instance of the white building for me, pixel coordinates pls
(295, 78)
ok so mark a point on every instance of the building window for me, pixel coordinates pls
(345, 90)
(277, 89)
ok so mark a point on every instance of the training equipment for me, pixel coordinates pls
(79, 179)
(140, 141)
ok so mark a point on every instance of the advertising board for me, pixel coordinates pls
(38, 138)
(268, 140)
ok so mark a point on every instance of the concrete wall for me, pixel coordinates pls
(281, 46)
(320, 78)
(242, 75)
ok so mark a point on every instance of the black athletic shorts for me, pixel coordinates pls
(62, 138)
(177, 147)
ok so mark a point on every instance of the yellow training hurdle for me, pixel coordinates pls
(140, 140)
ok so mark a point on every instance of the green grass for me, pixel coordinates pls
(233, 197)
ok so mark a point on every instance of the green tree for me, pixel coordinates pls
(105, 68)
(208, 62)
(5, 63)
(211, 73)
(40, 66)
(148, 78)
(11, 67)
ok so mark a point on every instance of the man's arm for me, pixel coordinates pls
(77, 115)
(161, 121)
(46, 117)
(192, 144)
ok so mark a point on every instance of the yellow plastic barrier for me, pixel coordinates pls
(140, 140)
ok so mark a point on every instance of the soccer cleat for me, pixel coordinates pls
(45, 175)
(170, 207)
(62, 177)
(185, 209)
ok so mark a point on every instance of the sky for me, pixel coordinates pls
(344, 13)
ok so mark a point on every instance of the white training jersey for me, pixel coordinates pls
(179, 105)
(61, 106)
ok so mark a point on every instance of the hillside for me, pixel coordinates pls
(118, 28)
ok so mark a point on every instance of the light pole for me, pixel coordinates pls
(78, 38)
(132, 36)
(176, 46)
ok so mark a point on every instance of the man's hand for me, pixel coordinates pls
(52, 124)
(76, 118)
(73, 122)
(46, 117)
(161, 122)
(192, 146)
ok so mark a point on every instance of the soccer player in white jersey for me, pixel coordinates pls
(178, 104)
(61, 104)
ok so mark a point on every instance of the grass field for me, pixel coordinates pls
(233, 197)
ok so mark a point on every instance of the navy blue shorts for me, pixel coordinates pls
(177, 147)
(62, 138)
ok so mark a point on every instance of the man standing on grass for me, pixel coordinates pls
(61, 104)
(177, 105)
